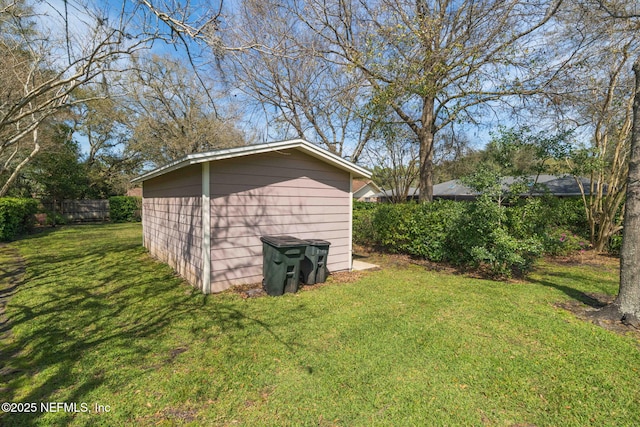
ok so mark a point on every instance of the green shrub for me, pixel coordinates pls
(429, 228)
(472, 230)
(615, 243)
(391, 224)
(560, 224)
(363, 231)
(125, 208)
(506, 240)
(59, 219)
(560, 241)
(506, 255)
(531, 217)
(527, 218)
(16, 216)
(481, 237)
(567, 213)
(364, 206)
(418, 230)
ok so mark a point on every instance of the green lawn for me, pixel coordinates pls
(98, 321)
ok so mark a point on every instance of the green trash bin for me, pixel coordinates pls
(281, 256)
(313, 268)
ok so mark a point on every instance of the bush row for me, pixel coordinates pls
(125, 208)
(16, 216)
(507, 240)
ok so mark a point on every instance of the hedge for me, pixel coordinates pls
(481, 233)
(420, 230)
(16, 216)
(125, 208)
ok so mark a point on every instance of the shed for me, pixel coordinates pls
(204, 214)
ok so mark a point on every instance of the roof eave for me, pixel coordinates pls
(305, 146)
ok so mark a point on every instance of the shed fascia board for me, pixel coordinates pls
(299, 144)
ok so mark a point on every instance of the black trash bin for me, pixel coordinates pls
(281, 256)
(313, 268)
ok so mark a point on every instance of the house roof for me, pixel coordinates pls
(230, 153)
(359, 184)
(453, 188)
(413, 192)
(556, 185)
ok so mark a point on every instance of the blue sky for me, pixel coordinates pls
(80, 24)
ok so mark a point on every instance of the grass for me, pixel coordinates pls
(98, 321)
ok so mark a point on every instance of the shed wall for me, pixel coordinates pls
(277, 193)
(172, 220)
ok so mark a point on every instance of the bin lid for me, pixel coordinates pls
(283, 241)
(317, 242)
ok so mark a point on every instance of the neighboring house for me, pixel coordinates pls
(454, 190)
(365, 190)
(204, 214)
(385, 196)
(559, 186)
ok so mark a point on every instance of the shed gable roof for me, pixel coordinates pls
(229, 153)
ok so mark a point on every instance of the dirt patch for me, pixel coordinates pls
(252, 290)
(370, 255)
(591, 302)
(339, 278)
(175, 353)
(590, 258)
(180, 414)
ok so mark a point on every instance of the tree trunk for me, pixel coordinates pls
(36, 148)
(626, 306)
(426, 138)
(628, 299)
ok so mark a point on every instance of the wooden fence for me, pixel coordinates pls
(82, 210)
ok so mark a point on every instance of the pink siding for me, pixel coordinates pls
(285, 192)
(275, 193)
(172, 220)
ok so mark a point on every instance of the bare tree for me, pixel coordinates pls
(170, 113)
(326, 69)
(303, 95)
(394, 154)
(433, 63)
(102, 120)
(41, 70)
